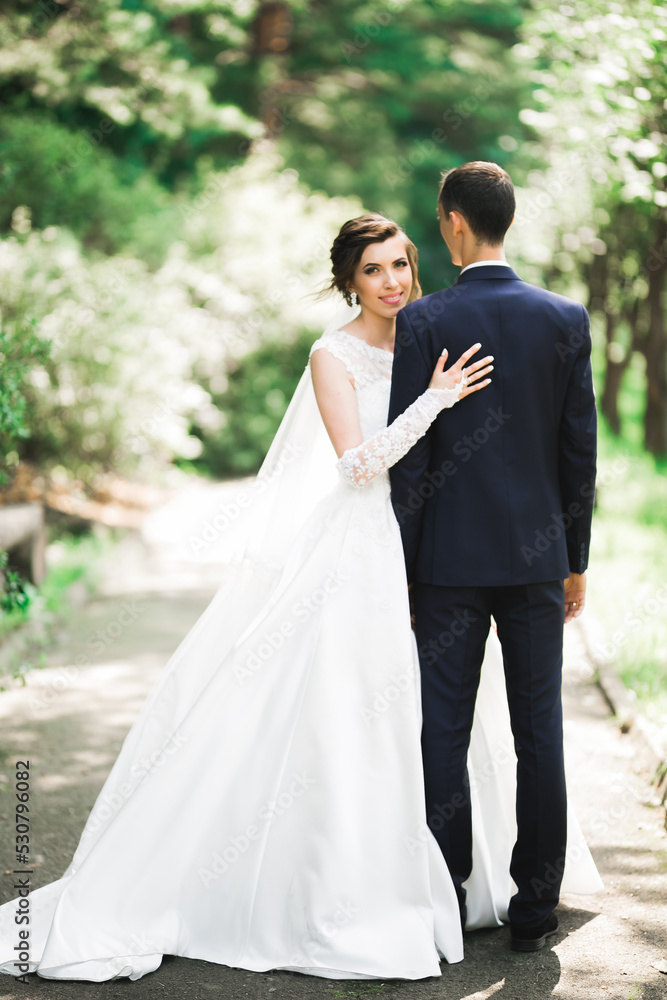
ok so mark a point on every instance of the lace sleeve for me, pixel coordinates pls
(361, 464)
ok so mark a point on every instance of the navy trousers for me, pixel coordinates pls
(452, 625)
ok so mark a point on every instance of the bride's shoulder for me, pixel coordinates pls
(335, 342)
(345, 349)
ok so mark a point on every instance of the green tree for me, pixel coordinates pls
(108, 102)
(602, 93)
(370, 99)
(137, 354)
(21, 349)
(258, 388)
(124, 117)
(140, 78)
(61, 178)
(377, 98)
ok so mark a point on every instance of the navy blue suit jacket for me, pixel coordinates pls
(500, 490)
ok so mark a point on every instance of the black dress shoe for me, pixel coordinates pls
(534, 938)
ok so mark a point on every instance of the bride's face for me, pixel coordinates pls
(383, 278)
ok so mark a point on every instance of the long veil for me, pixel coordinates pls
(298, 471)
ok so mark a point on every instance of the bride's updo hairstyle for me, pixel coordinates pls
(353, 238)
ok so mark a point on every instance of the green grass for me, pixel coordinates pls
(628, 570)
(11, 620)
(72, 558)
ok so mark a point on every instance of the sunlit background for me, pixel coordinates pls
(173, 173)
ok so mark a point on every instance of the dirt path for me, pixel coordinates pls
(71, 718)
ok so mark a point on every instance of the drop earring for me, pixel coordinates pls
(355, 298)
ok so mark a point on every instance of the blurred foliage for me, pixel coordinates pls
(145, 134)
(60, 179)
(255, 248)
(136, 354)
(142, 78)
(601, 208)
(118, 97)
(592, 224)
(20, 351)
(73, 559)
(258, 388)
(152, 230)
(378, 98)
(107, 104)
(13, 593)
(627, 594)
(118, 349)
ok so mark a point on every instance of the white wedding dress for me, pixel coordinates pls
(266, 810)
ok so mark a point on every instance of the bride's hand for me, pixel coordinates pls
(451, 378)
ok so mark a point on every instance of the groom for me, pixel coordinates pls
(495, 507)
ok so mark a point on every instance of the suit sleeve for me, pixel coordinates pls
(577, 454)
(411, 375)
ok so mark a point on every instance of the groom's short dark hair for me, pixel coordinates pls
(484, 195)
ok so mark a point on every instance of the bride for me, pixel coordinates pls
(266, 810)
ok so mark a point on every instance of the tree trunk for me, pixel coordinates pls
(617, 362)
(272, 35)
(655, 348)
(273, 28)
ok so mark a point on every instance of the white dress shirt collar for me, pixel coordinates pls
(483, 263)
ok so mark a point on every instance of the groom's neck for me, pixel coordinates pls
(477, 252)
